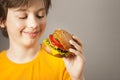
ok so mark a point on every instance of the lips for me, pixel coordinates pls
(31, 34)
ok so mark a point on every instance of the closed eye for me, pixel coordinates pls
(40, 17)
(23, 17)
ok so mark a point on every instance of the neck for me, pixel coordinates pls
(22, 54)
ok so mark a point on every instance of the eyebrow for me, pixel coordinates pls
(24, 9)
(41, 9)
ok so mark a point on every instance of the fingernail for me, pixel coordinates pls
(70, 41)
(74, 36)
(70, 50)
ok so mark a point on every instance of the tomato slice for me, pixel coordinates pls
(55, 42)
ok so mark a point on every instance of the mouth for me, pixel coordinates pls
(32, 34)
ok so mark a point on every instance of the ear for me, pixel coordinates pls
(2, 25)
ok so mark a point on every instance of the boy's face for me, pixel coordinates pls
(25, 25)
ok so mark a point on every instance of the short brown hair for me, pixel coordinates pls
(5, 4)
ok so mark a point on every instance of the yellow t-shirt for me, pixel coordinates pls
(43, 67)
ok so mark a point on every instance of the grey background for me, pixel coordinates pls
(97, 23)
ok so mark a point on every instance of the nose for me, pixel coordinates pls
(32, 22)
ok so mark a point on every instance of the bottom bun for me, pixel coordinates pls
(55, 53)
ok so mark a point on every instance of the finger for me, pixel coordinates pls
(76, 39)
(77, 53)
(76, 45)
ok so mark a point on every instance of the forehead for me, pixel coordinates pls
(39, 3)
(32, 5)
(25, 3)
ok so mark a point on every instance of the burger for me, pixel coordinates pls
(57, 44)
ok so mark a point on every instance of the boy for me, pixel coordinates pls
(23, 22)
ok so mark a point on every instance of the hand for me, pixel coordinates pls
(75, 64)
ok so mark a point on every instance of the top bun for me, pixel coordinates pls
(63, 37)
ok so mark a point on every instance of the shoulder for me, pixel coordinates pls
(2, 53)
(3, 57)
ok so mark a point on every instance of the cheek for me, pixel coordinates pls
(43, 25)
(13, 23)
(20, 25)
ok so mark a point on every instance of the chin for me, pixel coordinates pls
(30, 42)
